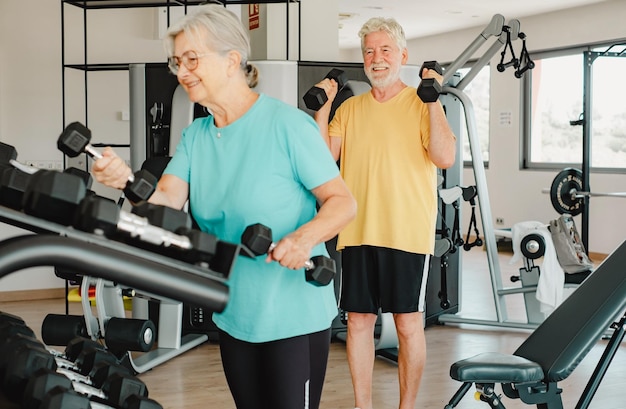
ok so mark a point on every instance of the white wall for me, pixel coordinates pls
(30, 98)
(30, 85)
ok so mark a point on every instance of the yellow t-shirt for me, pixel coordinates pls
(385, 163)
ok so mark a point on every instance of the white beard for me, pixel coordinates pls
(381, 82)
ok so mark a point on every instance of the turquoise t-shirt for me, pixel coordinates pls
(260, 169)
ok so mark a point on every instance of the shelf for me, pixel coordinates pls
(104, 4)
(99, 67)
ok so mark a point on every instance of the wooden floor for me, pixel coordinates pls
(195, 379)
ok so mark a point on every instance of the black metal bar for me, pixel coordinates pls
(586, 143)
(85, 61)
(603, 365)
(287, 30)
(36, 250)
(299, 31)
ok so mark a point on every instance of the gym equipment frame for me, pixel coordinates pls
(554, 350)
(504, 35)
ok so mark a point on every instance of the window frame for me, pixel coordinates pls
(526, 110)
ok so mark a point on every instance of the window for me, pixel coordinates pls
(478, 92)
(554, 105)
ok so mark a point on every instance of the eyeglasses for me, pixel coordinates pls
(189, 59)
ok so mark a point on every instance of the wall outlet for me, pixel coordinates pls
(499, 221)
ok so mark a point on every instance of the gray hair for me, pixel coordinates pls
(388, 25)
(217, 28)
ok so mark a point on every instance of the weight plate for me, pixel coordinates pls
(566, 182)
(533, 246)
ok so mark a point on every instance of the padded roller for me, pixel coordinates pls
(59, 329)
(128, 334)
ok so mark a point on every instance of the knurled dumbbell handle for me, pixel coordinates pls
(83, 388)
(138, 226)
(93, 152)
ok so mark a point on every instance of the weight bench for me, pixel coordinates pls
(556, 347)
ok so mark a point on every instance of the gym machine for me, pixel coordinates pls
(504, 36)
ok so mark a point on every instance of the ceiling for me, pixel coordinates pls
(421, 18)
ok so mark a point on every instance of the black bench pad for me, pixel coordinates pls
(494, 367)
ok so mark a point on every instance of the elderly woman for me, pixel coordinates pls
(254, 159)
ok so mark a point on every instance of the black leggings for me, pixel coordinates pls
(288, 373)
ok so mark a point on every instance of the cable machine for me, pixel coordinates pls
(505, 35)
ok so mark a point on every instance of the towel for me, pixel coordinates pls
(552, 278)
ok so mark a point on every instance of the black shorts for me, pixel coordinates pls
(374, 278)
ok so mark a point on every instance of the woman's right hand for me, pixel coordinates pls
(111, 170)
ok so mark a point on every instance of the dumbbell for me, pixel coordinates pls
(26, 355)
(165, 217)
(84, 175)
(429, 88)
(13, 180)
(81, 353)
(13, 183)
(103, 216)
(316, 97)
(82, 358)
(257, 240)
(7, 153)
(54, 196)
(61, 397)
(61, 198)
(75, 139)
(115, 392)
(15, 177)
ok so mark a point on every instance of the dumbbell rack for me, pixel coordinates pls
(152, 275)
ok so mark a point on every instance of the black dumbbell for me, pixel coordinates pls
(12, 334)
(429, 88)
(165, 217)
(61, 397)
(7, 153)
(316, 97)
(75, 139)
(82, 355)
(103, 216)
(257, 240)
(83, 174)
(13, 184)
(13, 181)
(115, 392)
(8, 317)
(25, 355)
(54, 196)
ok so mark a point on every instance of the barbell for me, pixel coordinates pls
(567, 194)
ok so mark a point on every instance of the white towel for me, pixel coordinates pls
(552, 278)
